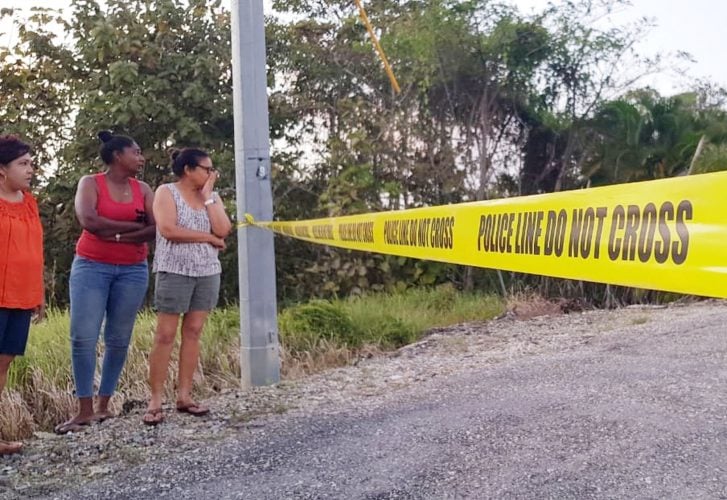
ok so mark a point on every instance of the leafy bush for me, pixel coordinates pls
(303, 325)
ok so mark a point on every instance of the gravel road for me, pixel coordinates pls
(629, 403)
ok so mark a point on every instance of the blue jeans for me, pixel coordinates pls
(98, 291)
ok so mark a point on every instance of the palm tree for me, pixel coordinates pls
(646, 136)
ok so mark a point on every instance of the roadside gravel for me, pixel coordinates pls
(253, 433)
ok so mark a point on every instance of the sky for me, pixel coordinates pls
(693, 26)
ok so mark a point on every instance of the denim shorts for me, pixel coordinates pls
(179, 294)
(14, 328)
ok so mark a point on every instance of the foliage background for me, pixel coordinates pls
(494, 103)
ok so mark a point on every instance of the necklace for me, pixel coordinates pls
(125, 190)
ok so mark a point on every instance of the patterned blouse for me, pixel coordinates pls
(188, 259)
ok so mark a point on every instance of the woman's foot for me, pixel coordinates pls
(153, 416)
(10, 447)
(102, 409)
(102, 415)
(83, 418)
(76, 424)
(192, 408)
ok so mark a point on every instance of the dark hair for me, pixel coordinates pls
(111, 144)
(186, 157)
(12, 148)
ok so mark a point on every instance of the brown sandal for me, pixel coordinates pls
(193, 409)
(153, 417)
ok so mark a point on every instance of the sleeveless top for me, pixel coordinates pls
(187, 259)
(21, 254)
(93, 248)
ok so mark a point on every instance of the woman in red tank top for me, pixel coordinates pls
(109, 275)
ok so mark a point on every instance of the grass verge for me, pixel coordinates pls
(314, 337)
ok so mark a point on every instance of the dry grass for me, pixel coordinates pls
(40, 386)
(322, 356)
(314, 338)
(526, 306)
(16, 419)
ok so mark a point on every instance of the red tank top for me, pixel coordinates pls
(111, 252)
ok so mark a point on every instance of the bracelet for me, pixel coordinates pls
(211, 200)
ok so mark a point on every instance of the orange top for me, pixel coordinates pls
(21, 254)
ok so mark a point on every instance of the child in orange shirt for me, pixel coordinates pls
(21, 258)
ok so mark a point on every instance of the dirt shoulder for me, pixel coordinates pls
(108, 453)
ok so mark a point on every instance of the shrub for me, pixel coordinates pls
(303, 325)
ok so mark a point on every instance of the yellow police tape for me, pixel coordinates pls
(666, 235)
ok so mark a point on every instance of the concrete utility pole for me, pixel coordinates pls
(259, 352)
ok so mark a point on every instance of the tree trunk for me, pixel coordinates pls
(697, 153)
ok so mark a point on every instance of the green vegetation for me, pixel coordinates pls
(383, 320)
(495, 102)
(314, 336)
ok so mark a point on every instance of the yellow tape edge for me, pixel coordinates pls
(668, 235)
